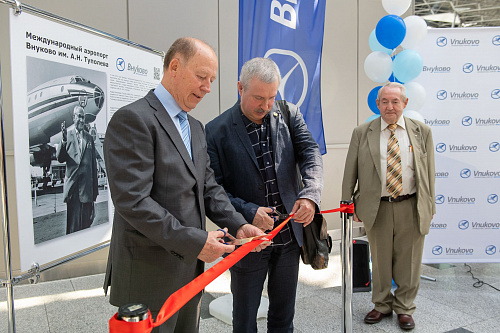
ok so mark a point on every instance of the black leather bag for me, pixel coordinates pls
(317, 243)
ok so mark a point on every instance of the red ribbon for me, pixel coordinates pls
(179, 298)
(344, 208)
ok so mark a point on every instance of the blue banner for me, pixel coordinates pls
(290, 32)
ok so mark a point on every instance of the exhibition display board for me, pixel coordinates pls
(56, 66)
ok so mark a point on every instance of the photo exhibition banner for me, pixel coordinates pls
(66, 85)
(461, 76)
(291, 34)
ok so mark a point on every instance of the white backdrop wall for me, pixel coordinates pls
(157, 23)
(462, 80)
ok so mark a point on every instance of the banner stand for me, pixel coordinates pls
(33, 274)
(6, 232)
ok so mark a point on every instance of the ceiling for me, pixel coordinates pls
(459, 13)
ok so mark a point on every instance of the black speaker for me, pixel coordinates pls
(361, 277)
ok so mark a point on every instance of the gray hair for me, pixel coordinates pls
(393, 85)
(264, 69)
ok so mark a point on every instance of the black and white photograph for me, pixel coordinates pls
(67, 122)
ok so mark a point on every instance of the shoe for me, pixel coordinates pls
(374, 316)
(406, 322)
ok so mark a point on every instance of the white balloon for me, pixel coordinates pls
(416, 30)
(378, 66)
(396, 7)
(414, 115)
(416, 95)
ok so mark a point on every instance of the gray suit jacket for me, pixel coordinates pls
(362, 168)
(236, 169)
(161, 198)
(81, 167)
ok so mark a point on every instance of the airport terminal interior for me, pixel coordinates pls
(453, 297)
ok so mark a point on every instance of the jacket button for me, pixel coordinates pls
(261, 187)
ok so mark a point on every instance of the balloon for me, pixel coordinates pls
(416, 95)
(375, 45)
(416, 30)
(414, 115)
(378, 66)
(373, 116)
(393, 79)
(407, 65)
(372, 100)
(396, 7)
(390, 31)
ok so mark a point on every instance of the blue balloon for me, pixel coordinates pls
(372, 100)
(375, 45)
(407, 65)
(392, 78)
(390, 31)
(373, 116)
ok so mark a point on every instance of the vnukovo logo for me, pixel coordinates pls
(438, 250)
(467, 173)
(476, 225)
(442, 174)
(482, 68)
(464, 42)
(468, 121)
(441, 199)
(137, 70)
(437, 122)
(437, 69)
(457, 95)
(463, 148)
(441, 226)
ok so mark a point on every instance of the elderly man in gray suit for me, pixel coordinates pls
(77, 150)
(162, 187)
(254, 149)
(389, 172)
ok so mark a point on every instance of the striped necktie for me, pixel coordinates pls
(394, 170)
(186, 134)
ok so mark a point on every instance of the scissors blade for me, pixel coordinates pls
(241, 241)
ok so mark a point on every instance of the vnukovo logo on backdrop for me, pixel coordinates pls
(437, 122)
(477, 225)
(438, 250)
(480, 68)
(456, 95)
(479, 174)
(443, 41)
(442, 147)
(478, 121)
(441, 199)
(436, 69)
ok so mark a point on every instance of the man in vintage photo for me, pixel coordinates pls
(77, 150)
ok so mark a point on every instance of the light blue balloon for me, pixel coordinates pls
(375, 45)
(374, 116)
(407, 65)
(390, 31)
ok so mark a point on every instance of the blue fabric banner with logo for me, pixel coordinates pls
(290, 32)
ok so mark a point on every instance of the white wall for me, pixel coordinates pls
(157, 23)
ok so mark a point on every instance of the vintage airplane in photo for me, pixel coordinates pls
(53, 102)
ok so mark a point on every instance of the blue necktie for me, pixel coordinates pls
(186, 135)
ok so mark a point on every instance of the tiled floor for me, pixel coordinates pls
(450, 304)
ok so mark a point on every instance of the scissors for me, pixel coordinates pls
(277, 216)
(239, 241)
